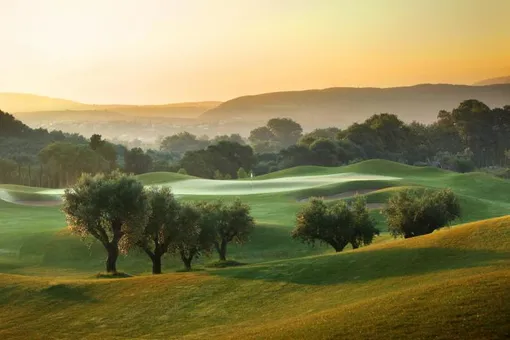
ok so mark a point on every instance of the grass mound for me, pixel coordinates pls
(373, 167)
(451, 284)
(161, 178)
(447, 285)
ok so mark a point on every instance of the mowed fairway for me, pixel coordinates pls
(451, 284)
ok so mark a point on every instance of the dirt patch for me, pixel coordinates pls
(39, 203)
(346, 194)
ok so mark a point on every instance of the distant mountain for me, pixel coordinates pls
(34, 107)
(20, 102)
(492, 81)
(343, 105)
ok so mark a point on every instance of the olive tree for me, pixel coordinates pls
(415, 212)
(337, 224)
(111, 208)
(231, 223)
(196, 235)
(363, 229)
(161, 228)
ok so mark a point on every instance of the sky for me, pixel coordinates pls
(163, 51)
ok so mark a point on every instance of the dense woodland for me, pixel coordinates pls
(470, 137)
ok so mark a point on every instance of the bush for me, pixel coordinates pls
(462, 165)
(337, 225)
(241, 173)
(218, 175)
(415, 212)
(182, 171)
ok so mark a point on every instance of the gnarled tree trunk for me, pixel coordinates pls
(156, 264)
(113, 247)
(221, 248)
(111, 260)
(186, 260)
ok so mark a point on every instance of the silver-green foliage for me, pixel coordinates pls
(337, 224)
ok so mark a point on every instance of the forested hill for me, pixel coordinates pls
(20, 146)
(342, 106)
(13, 131)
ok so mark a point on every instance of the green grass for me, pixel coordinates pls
(448, 285)
(30, 238)
(451, 284)
(162, 177)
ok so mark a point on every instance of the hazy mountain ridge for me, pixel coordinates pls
(344, 105)
(30, 105)
(19, 102)
(338, 107)
(493, 81)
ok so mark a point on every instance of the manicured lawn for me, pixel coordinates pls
(451, 284)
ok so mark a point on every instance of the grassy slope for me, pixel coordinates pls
(161, 177)
(29, 243)
(451, 284)
(408, 102)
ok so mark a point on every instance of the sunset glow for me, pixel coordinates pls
(160, 51)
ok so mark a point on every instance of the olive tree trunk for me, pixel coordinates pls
(221, 248)
(111, 260)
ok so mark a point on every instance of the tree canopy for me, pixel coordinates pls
(416, 212)
(111, 208)
(231, 223)
(337, 224)
(161, 229)
(197, 234)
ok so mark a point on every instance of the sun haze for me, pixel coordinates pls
(159, 51)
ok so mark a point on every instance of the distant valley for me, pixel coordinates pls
(338, 107)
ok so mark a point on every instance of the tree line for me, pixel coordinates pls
(471, 136)
(116, 210)
(409, 213)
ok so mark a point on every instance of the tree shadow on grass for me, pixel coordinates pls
(363, 266)
(63, 292)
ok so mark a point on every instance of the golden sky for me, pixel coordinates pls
(160, 51)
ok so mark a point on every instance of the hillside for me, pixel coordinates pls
(32, 223)
(492, 81)
(19, 102)
(452, 284)
(341, 106)
(34, 108)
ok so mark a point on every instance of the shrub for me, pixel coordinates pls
(415, 212)
(337, 225)
(241, 173)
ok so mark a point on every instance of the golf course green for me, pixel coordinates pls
(450, 284)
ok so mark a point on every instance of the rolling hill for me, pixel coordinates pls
(492, 81)
(32, 223)
(34, 108)
(452, 284)
(341, 106)
(21, 102)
